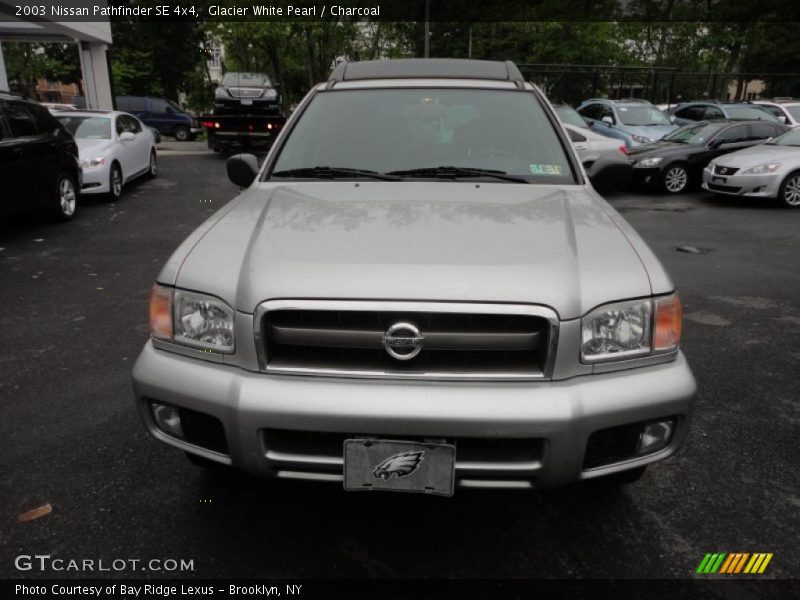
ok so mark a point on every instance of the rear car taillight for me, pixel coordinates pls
(624, 150)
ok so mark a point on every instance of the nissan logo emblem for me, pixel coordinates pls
(403, 341)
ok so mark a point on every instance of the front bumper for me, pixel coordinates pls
(753, 186)
(558, 415)
(96, 180)
(646, 175)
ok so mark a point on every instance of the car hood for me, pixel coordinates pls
(91, 148)
(659, 148)
(435, 241)
(758, 155)
(654, 132)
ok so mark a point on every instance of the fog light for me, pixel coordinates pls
(655, 436)
(167, 419)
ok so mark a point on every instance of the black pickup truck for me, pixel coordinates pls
(247, 113)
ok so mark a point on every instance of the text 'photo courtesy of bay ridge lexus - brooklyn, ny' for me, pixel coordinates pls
(419, 290)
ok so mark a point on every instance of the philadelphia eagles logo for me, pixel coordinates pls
(399, 465)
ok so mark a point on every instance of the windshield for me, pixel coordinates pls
(695, 133)
(87, 128)
(790, 138)
(750, 112)
(246, 80)
(642, 115)
(570, 116)
(388, 130)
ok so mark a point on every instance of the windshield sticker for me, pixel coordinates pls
(622, 109)
(546, 169)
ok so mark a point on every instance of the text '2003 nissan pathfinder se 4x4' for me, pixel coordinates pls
(417, 291)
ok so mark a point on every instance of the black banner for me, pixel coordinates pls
(400, 10)
(743, 588)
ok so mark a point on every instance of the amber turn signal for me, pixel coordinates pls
(161, 311)
(668, 323)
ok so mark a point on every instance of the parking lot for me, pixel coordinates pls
(74, 318)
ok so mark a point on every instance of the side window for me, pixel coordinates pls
(591, 111)
(737, 133)
(761, 131)
(608, 112)
(45, 122)
(20, 120)
(775, 110)
(133, 124)
(120, 124)
(160, 107)
(693, 113)
(712, 112)
(575, 136)
(137, 104)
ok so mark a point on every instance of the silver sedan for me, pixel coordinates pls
(770, 170)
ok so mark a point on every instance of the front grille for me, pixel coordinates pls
(463, 344)
(720, 170)
(714, 187)
(612, 445)
(239, 92)
(324, 450)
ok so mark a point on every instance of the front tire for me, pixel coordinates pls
(181, 133)
(65, 198)
(152, 171)
(115, 182)
(674, 179)
(789, 193)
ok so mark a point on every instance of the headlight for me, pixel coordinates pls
(93, 162)
(270, 94)
(191, 319)
(614, 331)
(641, 140)
(630, 329)
(649, 162)
(221, 92)
(760, 169)
(203, 321)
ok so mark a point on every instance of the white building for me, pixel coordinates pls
(91, 39)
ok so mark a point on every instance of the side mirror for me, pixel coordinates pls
(782, 119)
(672, 119)
(608, 120)
(242, 169)
(126, 136)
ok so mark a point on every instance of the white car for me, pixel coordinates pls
(788, 111)
(597, 152)
(55, 107)
(114, 148)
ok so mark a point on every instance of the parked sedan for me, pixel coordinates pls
(677, 161)
(605, 159)
(707, 110)
(771, 170)
(115, 148)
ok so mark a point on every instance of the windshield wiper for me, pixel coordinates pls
(333, 173)
(445, 172)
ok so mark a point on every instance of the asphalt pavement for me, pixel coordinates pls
(74, 317)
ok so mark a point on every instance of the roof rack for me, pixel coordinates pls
(427, 68)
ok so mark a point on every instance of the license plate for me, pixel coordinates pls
(398, 466)
(246, 102)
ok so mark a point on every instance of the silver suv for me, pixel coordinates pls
(418, 290)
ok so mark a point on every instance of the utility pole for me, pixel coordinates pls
(427, 28)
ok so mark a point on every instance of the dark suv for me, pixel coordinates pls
(246, 92)
(39, 166)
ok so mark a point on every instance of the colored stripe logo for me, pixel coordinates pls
(734, 563)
